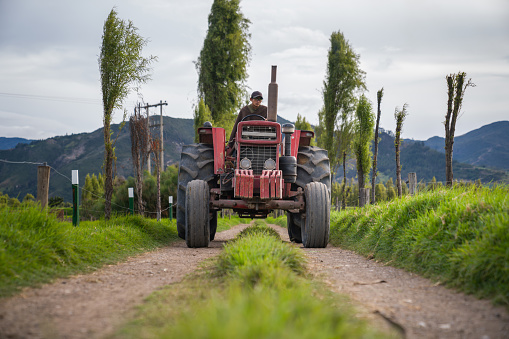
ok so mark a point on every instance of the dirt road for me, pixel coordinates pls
(91, 306)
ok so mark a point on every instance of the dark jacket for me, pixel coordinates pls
(244, 112)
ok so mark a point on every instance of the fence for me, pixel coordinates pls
(43, 180)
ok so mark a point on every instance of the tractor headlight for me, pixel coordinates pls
(269, 164)
(245, 163)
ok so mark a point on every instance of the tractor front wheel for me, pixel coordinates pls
(197, 214)
(315, 233)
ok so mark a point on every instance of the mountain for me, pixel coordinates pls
(8, 143)
(416, 156)
(487, 146)
(85, 151)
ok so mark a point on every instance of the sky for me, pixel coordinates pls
(50, 81)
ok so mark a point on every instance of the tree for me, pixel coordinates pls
(379, 96)
(222, 64)
(456, 87)
(122, 69)
(400, 116)
(363, 138)
(201, 115)
(140, 151)
(343, 80)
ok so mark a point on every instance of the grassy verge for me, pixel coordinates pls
(458, 236)
(36, 248)
(257, 288)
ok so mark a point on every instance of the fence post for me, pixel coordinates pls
(75, 199)
(412, 183)
(43, 184)
(130, 192)
(171, 208)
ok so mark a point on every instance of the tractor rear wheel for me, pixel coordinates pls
(196, 162)
(313, 166)
(315, 231)
(197, 214)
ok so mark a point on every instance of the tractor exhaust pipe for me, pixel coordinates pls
(272, 101)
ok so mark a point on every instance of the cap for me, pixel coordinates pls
(256, 94)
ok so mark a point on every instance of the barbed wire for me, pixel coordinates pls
(80, 187)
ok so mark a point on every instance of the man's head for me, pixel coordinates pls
(256, 98)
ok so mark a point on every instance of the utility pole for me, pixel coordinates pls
(147, 106)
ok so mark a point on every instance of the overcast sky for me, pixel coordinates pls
(49, 75)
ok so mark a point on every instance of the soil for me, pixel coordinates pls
(93, 305)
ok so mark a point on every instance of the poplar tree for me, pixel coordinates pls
(363, 137)
(379, 96)
(343, 80)
(456, 87)
(400, 116)
(122, 69)
(222, 64)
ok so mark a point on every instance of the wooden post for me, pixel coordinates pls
(75, 199)
(130, 193)
(43, 184)
(412, 183)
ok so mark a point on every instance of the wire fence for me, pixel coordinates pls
(98, 197)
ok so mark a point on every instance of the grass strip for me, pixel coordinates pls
(458, 236)
(36, 248)
(257, 288)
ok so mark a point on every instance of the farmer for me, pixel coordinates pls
(255, 107)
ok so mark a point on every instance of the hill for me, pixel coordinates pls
(487, 146)
(85, 151)
(417, 157)
(8, 143)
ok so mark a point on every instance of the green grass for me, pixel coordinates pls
(457, 236)
(257, 288)
(36, 248)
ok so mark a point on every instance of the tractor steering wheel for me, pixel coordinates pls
(253, 115)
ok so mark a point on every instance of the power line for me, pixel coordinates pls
(52, 98)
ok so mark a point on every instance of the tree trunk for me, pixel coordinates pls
(108, 172)
(375, 154)
(360, 177)
(398, 171)
(343, 193)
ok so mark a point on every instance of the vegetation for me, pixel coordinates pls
(257, 288)
(363, 139)
(36, 248)
(222, 64)
(379, 96)
(399, 116)
(456, 87)
(459, 236)
(122, 67)
(342, 80)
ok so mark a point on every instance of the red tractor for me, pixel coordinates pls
(272, 167)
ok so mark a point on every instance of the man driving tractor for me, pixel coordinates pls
(255, 107)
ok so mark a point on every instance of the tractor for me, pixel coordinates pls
(270, 167)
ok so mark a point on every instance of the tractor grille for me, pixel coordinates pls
(259, 133)
(258, 155)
